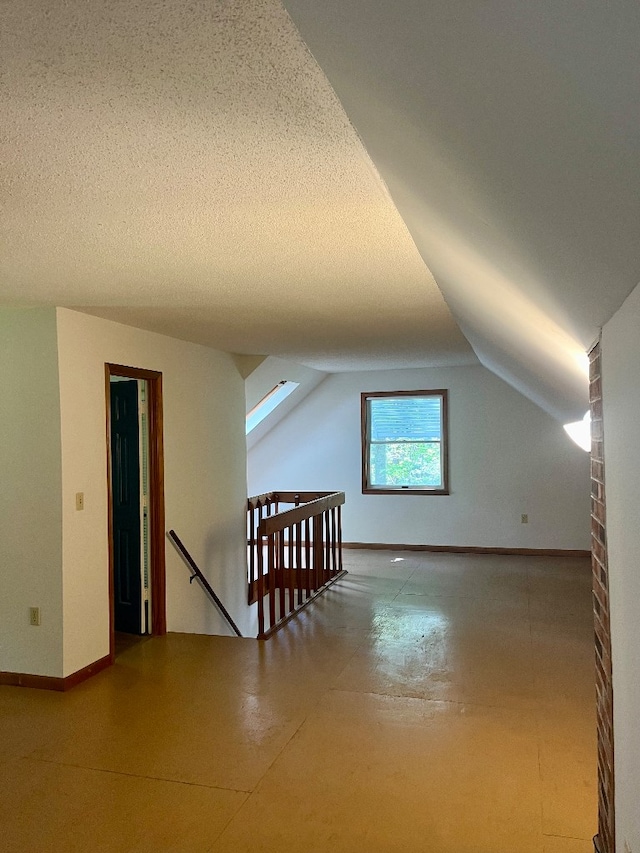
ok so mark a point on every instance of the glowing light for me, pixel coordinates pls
(580, 432)
(583, 362)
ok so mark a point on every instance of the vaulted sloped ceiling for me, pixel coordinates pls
(508, 133)
(188, 168)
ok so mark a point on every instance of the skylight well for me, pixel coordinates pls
(268, 403)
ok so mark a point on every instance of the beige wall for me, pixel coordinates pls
(52, 392)
(30, 478)
(204, 478)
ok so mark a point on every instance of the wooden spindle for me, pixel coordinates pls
(281, 574)
(307, 554)
(260, 587)
(299, 567)
(271, 579)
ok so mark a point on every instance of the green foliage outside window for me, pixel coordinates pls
(406, 464)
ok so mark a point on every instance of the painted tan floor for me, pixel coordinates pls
(426, 704)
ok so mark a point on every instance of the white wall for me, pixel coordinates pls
(507, 458)
(621, 398)
(205, 491)
(30, 477)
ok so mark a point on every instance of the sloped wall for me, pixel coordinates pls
(507, 458)
(205, 471)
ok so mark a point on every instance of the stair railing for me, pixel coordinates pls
(294, 554)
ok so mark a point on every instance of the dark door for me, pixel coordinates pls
(125, 481)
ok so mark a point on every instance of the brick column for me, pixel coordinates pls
(605, 839)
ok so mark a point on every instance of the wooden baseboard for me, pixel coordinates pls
(49, 682)
(468, 549)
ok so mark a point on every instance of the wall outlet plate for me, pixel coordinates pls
(34, 616)
(524, 518)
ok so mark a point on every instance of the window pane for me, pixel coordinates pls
(408, 418)
(416, 464)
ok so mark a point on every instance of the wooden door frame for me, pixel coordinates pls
(156, 498)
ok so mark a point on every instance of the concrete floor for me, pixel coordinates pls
(426, 703)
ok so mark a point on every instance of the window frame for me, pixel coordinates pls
(367, 489)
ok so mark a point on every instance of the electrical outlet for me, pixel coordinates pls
(79, 500)
(34, 616)
(524, 518)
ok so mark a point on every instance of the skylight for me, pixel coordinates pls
(269, 402)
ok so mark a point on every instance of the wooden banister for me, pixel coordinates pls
(294, 553)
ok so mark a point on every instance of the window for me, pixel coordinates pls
(404, 442)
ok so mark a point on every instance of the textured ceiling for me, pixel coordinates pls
(187, 168)
(508, 134)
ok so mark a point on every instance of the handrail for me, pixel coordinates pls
(296, 498)
(198, 574)
(260, 500)
(288, 517)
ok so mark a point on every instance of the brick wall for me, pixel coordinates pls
(605, 840)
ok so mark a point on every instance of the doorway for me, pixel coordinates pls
(136, 504)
